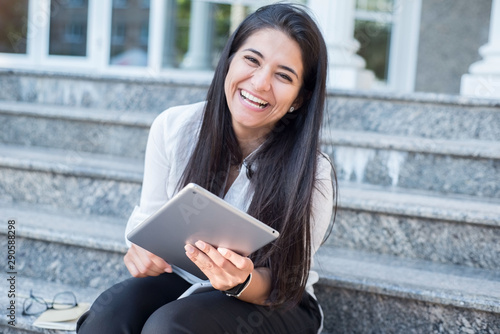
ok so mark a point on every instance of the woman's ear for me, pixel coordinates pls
(297, 103)
(303, 96)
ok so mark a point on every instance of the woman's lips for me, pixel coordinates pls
(253, 101)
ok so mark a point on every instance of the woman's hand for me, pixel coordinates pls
(224, 268)
(142, 263)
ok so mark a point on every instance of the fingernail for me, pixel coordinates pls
(200, 244)
(189, 249)
(168, 270)
(223, 251)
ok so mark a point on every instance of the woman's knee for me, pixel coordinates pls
(126, 305)
(184, 316)
(170, 318)
(109, 310)
(119, 297)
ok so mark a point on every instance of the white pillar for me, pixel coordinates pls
(199, 55)
(169, 50)
(483, 79)
(336, 20)
(238, 14)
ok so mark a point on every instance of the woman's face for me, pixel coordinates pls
(263, 82)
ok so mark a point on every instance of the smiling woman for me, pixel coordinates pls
(254, 143)
(263, 83)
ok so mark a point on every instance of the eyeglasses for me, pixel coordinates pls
(62, 301)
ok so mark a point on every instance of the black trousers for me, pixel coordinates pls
(149, 305)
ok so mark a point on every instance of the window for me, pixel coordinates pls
(144, 34)
(76, 3)
(13, 26)
(221, 16)
(129, 33)
(75, 33)
(118, 34)
(388, 32)
(120, 3)
(68, 29)
(373, 28)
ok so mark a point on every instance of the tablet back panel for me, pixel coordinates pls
(196, 214)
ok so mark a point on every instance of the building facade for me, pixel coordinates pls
(391, 45)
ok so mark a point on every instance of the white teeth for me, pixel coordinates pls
(250, 97)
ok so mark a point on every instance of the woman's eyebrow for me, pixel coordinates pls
(286, 68)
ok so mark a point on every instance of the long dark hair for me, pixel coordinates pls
(283, 170)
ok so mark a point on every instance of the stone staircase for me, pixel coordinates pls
(416, 244)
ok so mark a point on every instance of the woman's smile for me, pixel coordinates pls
(253, 101)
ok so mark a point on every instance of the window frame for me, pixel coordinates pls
(403, 44)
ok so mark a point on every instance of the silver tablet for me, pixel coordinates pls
(196, 214)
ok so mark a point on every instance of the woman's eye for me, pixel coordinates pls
(252, 60)
(285, 77)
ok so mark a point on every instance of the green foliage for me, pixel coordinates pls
(221, 17)
(375, 5)
(375, 39)
(182, 31)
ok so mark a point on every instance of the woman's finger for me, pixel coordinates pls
(136, 260)
(132, 269)
(203, 261)
(144, 263)
(151, 262)
(240, 262)
(130, 264)
(221, 272)
(213, 254)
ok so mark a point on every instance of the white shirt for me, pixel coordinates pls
(172, 139)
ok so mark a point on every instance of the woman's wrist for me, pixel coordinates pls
(258, 289)
(237, 290)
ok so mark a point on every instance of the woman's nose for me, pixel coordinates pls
(261, 80)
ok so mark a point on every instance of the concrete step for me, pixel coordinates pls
(103, 184)
(436, 165)
(460, 231)
(367, 293)
(359, 293)
(102, 91)
(83, 182)
(41, 288)
(124, 133)
(443, 229)
(468, 234)
(118, 133)
(418, 115)
(421, 115)
(364, 157)
(59, 247)
(62, 247)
